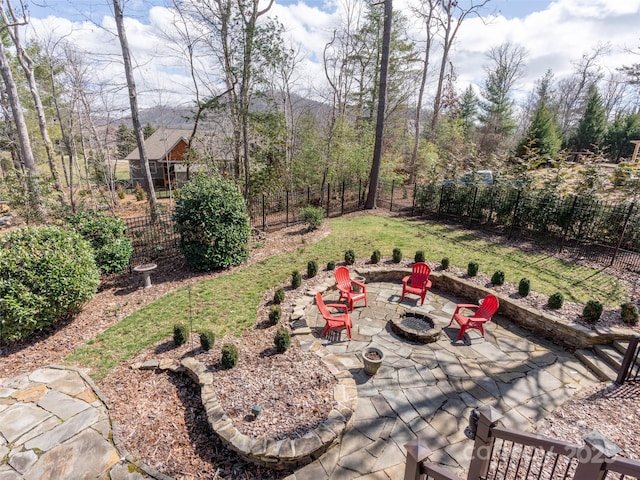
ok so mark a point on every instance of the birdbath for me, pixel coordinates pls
(145, 269)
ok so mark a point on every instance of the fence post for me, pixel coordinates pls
(359, 192)
(264, 214)
(481, 457)
(416, 454)
(473, 204)
(440, 201)
(393, 185)
(287, 208)
(569, 220)
(328, 198)
(624, 229)
(593, 456)
(342, 204)
(629, 358)
(515, 213)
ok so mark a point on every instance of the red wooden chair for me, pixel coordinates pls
(333, 321)
(482, 315)
(418, 282)
(350, 290)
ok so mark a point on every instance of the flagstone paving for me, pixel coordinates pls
(427, 391)
(421, 391)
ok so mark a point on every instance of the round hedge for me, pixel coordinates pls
(212, 220)
(108, 238)
(46, 274)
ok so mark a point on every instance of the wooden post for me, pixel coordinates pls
(628, 359)
(480, 459)
(593, 456)
(417, 452)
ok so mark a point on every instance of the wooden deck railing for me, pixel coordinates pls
(630, 369)
(505, 454)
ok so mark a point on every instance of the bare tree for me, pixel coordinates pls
(133, 101)
(453, 14)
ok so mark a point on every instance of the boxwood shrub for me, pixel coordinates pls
(375, 256)
(46, 274)
(107, 236)
(555, 301)
(212, 220)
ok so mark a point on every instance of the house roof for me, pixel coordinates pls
(158, 145)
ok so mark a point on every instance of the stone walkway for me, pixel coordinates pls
(54, 422)
(54, 425)
(428, 390)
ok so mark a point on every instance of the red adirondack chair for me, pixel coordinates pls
(333, 322)
(418, 282)
(482, 315)
(350, 290)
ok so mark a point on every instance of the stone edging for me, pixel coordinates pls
(571, 334)
(265, 451)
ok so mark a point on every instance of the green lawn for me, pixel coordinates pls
(228, 304)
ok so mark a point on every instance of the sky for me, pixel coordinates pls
(555, 35)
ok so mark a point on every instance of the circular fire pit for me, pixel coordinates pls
(416, 327)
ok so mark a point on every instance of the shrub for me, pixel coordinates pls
(275, 312)
(498, 277)
(107, 236)
(312, 268)
(524, 287)
(629, 313)
(121, 192)
(312, 216)
(472, 269)
(46, 274)
(296, 279)
(397, 255)
(592, 311)
(445, 263)
(555, 301)
(375, 256)
(349, 257)
(419, 256)
(139, 193)
(278, 296)
(621, 174)
(331, 265)
(282, 340)
(211, 218)
(207, 339)
(229, 357)
(180, 334)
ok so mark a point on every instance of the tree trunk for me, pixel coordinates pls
(147, 180)
(382, 95)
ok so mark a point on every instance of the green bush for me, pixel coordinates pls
(312, 216)
(229, 357)
(349, 257)
(498, 277)
(472, 269)
(46, 274)
(121, 192)
(278, 296)
(107, 236)
(275, 312)
(592, 311)
(524, 287)
(621, 174)
(282, 340)
(180, 334)
(296, 279)
(375, 256)
(312, 269)
(331, 265)
(139, 193)
(211, 218)
(419, 256)
(207, 339)
(445, 263)
(555, 301)
(629, 313)
(397, 255)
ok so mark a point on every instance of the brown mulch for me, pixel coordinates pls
(160, 415)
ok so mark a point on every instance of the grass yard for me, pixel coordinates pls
(228, 304)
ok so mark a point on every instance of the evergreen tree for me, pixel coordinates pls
(468, 110)
(125, 140)
(617, 140)
(592, 126)
(148, 130)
